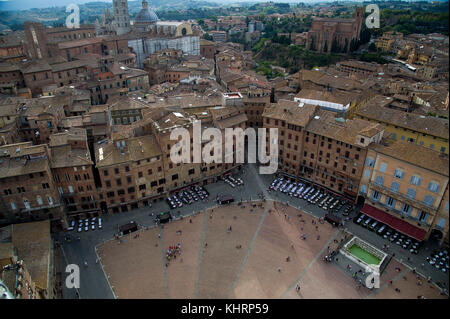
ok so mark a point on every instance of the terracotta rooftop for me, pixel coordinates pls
(325, 124)
(78, 43)
(136, 148)
(65, 156)
(63, 138)
(423, 124)
(291, 112)
(32, 241)
(340, 97)
(415, 154)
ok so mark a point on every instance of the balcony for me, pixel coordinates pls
(403, 198)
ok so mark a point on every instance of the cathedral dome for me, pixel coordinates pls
(146, 15)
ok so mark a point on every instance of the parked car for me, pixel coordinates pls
(360, 219)
(381, 230)
(373, 225)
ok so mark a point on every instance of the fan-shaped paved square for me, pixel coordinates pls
(255, 250)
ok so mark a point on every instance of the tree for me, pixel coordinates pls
(207, 36)
(353, 45)
(311, 46)
(365, 35)
(334, 46)
(372, 47)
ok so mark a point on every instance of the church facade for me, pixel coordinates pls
(146, 34)
(334, 35)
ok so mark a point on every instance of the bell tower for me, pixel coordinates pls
(121, 16)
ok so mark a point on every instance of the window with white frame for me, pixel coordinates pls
(415, 180)
(428, 200)
(375, 195)
(399, 173)
(390, 201)
(370, 161)
(423, 216)
(395, 186)
(411, 193)
(379, 180)
(433, 186)
(406, 208)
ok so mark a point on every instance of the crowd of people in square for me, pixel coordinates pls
(173, 251)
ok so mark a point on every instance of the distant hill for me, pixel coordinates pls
(12, 5)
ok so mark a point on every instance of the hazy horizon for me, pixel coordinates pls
(6, 5)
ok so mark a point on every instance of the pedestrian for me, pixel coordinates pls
(206, 245)
(279, 269)
(190, 220)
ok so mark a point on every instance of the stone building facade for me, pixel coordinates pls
(334, 35)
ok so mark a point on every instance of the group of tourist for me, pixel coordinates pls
(173, 251)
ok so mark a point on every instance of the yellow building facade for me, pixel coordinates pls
(430, 132)
(409, 183)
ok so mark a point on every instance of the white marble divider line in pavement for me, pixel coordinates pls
(311, 263)
(163, 256)
(200, 257)
(103, 268)
(244, 261)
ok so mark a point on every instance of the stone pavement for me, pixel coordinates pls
(94, 284)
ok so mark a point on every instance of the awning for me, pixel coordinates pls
(395, 223)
